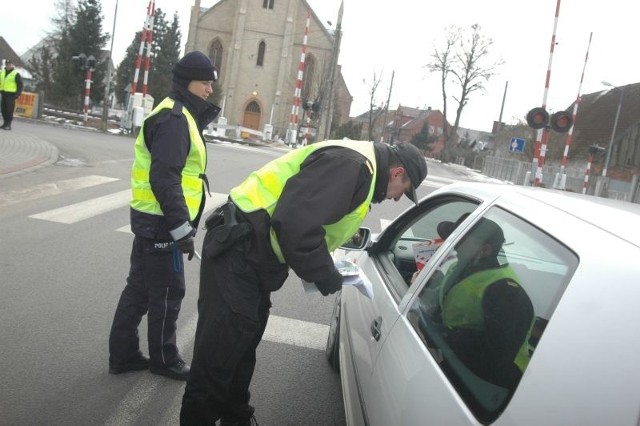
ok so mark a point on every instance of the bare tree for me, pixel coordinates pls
(376, 108)
(442, 61)
(465, 58)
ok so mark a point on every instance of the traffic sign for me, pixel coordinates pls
(516, 145)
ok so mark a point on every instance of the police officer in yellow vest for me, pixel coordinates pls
(168, 195)
(10, 89)
(486, 313)
(292, 213)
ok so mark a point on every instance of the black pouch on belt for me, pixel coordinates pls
(224, 230)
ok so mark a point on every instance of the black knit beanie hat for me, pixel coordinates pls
(194, 66)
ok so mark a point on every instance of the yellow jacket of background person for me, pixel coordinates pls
(143, 198)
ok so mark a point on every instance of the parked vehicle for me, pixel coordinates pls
(570, 263)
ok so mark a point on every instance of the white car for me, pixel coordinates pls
(563, 347)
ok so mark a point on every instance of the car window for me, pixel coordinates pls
(417, 240)
(486, 304)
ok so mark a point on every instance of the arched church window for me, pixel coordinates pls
(215, 54)
(253, 107)
(262, 47)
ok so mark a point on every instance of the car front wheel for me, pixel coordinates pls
(333, 340)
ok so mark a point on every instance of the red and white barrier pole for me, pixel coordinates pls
(585, 185)
(145, 40)
(147, 65)
(87, 94)
(569, 139)
(542, 138)
(293, 118)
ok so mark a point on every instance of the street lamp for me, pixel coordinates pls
(615, 125)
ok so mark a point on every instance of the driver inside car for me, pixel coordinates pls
(486, 314)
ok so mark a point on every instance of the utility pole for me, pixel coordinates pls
(386, 108)
(107, 88)
(332, 77)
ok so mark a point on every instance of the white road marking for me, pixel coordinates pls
(216, 199)
(80, 211)
(296, 332)
(279, 330)
(133, 402)
(53, 188)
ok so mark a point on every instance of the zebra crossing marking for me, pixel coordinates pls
(84, 210)
(52, 188)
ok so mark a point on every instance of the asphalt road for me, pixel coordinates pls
(63, 262)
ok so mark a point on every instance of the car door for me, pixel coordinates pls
(419, 375)
(389, 265)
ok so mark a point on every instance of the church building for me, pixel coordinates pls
(259, 48)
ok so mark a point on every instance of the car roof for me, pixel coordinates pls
(619, 218)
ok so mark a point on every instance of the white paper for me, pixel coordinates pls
(352, 275)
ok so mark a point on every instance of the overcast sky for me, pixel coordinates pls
(385, 36)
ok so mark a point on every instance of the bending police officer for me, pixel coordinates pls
(292, 213)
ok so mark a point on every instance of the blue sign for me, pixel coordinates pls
(516, 145)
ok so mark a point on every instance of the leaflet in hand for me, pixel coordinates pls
(424, 250)
(352, 275)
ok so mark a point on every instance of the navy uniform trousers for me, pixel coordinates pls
(233, 309)
(155, 287)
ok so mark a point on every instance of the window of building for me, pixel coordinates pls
(215, 54)
(262, 47)
(268, 4)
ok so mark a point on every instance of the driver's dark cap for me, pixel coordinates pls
(484, 231)
(446, 228)
(415, 165)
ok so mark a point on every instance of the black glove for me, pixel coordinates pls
(186, 246)
(330, 284)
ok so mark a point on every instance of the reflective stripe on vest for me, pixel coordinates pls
(263, 187)
(8, 82)
(143, 198)
(462, 305)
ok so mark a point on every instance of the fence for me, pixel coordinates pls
(521, 172)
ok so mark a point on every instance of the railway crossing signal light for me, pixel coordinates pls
(561, 121)
(538, 118)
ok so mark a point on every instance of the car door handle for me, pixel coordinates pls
(375, 328)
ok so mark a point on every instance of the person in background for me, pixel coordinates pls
(292, 213)
(167, 182)
(10, 89)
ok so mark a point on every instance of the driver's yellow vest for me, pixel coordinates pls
(143, 198)
(262, 189)
(462, 305)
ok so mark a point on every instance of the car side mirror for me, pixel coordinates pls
(359, 241)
